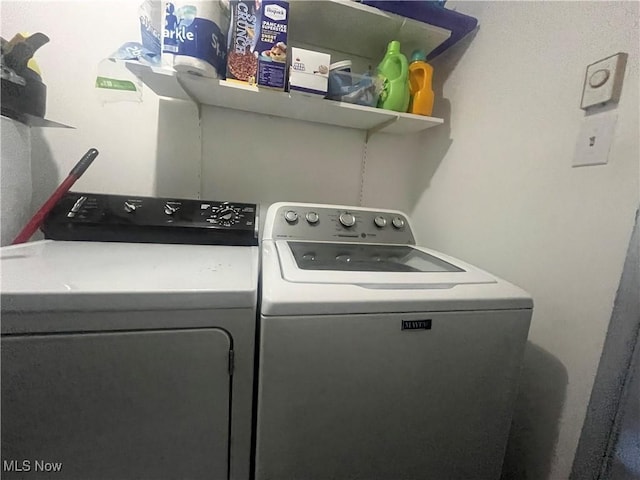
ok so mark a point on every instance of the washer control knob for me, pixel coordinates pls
(290, 216)
(129, 207)
(380, 221)
(312, 217)
(347, 219)
(398, 222)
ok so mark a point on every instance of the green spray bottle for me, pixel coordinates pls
(395, 70)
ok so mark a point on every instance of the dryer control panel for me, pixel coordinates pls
(122, 218)
(341, 224)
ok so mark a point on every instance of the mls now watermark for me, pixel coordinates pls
(30, 466)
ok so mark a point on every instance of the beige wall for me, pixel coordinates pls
(82, 34)
(496, 188)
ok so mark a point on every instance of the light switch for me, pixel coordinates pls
(594, 140)
(603, 81)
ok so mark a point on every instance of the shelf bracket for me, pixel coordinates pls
(188, 93)
(404, 22)
(381, 126)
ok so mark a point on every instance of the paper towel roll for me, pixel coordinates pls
(184, 63)
(194, 37)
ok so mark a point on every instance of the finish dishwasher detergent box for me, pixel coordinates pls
(271, 43)
(309, 72)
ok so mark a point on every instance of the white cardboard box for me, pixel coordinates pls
(309, 72)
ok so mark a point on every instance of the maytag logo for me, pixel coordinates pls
(275, 12)
(416, 324)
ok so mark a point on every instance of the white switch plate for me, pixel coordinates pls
(603, 81)
(594, 140)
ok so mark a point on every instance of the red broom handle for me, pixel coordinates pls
(76, 172)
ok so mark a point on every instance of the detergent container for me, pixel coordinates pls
(395, 70)
(420, 78)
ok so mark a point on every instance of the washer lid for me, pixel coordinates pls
(54, 275)
(289, 291)
(372, 265)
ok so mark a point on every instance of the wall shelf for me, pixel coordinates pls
(32, 120)
(360, 30)
(344, 27)
(220, 93)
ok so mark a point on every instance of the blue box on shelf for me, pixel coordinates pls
(271, 43)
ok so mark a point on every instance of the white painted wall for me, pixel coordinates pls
(15, 178)
(495, 187)
(83, 33)
(255, 158)
(266, 159)
(390, 167)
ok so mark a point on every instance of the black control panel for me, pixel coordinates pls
(121, 218)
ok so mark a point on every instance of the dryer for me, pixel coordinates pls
(131, 360)
(380, 359)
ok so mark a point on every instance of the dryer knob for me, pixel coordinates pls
(130, 207)
(347, 219)
(398, 222)
(290, 216)
(170, 209)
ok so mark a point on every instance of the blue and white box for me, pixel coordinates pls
(271, 43)
(194, 37)
(309, 72)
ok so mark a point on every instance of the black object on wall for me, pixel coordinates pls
(23, 92)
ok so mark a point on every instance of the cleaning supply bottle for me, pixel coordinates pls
(395, 70)
(420, 78)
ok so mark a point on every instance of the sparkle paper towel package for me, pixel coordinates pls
(194, 37)
(150, 15)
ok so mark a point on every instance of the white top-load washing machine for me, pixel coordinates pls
(379, 359)
(131, 360)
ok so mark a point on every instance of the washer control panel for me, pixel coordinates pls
(353, 224)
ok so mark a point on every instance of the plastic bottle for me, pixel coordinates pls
(420, 78)
(395, 69)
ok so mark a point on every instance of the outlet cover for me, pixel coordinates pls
(594, 140)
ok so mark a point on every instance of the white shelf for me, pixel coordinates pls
(357, 29)
(220, 93)
(341, 26)
(33, 121)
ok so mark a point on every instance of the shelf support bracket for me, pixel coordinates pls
(193, 99)
(381, 126)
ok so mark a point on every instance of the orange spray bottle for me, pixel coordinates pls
(420, 78)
